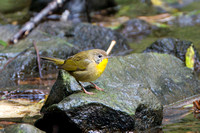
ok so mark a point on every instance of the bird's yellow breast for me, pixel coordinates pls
(101, 66)
(92, 72)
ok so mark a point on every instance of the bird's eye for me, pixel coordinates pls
(100, 56)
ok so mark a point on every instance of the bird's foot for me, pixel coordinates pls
(87, 92)
(96, 87)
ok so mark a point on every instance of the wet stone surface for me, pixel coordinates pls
(53, 39)
(134, 89)
(175, 47)
(136, 29)
(21, 128)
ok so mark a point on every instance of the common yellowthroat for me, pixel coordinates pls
(85, 66)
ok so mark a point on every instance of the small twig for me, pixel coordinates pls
(111, 47)
(26, 29)
(38, 59)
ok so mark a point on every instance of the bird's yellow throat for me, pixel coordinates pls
(101, 66)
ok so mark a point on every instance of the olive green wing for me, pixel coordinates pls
(76, 62)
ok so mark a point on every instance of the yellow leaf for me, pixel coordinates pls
(189, 57)
(157, 2)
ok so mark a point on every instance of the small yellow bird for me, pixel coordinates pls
(85, 66)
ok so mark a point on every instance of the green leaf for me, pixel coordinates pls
(188, 106)
(114, 27)
(2, 98)
(3, 43)
(161, 25)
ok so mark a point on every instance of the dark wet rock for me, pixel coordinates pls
(135, 29)
(68, 85)
(38, 5)
(132, 96)
(148, 70)
(54, 39)
(109, 111)
(7, 31)
(75, 5)
(174, 47)
(57, 121)
(99, 37)
(77, 8)
(189, 19)
(183, 3)
(21, 128)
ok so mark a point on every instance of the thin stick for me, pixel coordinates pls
(26, 29)
(38, 59)
(11, 59)
(111, 47)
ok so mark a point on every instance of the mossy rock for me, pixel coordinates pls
(21, 128)
(136, 86)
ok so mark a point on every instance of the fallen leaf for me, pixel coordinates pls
(189, 57)
(3, 43)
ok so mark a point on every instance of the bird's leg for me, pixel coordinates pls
(89, 93)
(96, 87)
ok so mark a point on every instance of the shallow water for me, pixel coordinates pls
(189, 33)
(179, 117)
(186, 125)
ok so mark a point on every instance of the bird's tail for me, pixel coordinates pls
(57, 61)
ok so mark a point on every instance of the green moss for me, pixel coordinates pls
(189, 33)
(187, 124)
(134, 8)
(140, 46)
(65, 76)
(191, 7)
